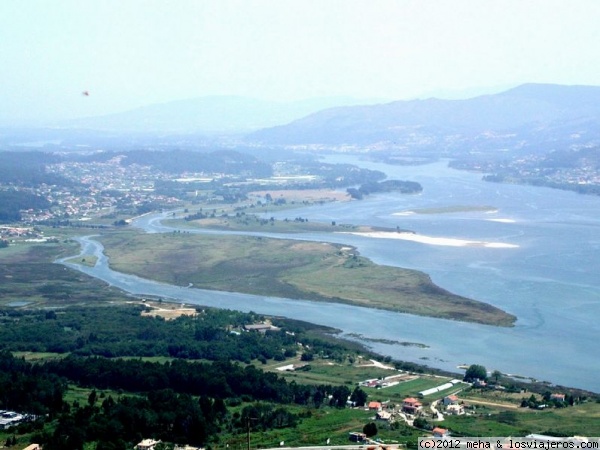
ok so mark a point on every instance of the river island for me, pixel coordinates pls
(288, 268)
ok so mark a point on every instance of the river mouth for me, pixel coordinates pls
(549, 282)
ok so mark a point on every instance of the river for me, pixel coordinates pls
(547, 276)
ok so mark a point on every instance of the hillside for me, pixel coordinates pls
(531, 115)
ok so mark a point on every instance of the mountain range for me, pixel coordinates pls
(532, 116)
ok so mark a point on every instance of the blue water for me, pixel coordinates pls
(550, 282)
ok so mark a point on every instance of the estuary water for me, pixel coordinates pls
(544, 268)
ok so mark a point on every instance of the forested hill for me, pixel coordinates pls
(25, 170)
(29, 169)
(12, 202)
(180, 401)
(219, 161)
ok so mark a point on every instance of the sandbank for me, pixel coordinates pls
(502, 220)
(431, 240)
(448, 210)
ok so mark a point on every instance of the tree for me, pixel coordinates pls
(476, 372)
(496, 374)
(92, 397)
(420, 422)
(370, 429)
(307, 356)
(359, 397)
(339, 396)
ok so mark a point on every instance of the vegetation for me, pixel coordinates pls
(177, 401)
(179, 161)
(566, 169)
(29, 169)
(29, 275)
(241, 221)
(215, 335)
(476, 372)
(405, 187)
(97, 377)
(290, 269)
(590, 189)
(13, 201)
(581, 420)
(80, 400)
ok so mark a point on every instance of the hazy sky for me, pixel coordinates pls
(129, 53)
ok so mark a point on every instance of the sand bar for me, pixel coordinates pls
(502, 220)
(431, 240)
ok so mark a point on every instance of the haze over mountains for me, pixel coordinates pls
(529, 118)
(209, 115)
(531, 115)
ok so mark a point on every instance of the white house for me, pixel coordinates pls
(147, 444)
(450, 400)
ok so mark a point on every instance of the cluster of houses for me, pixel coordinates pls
(380, 413)
(411, 406)
(9, 233)
(451, 404)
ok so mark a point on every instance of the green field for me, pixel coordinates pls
(327, 372)
(290, 269)
(323, 371)
(29, 276)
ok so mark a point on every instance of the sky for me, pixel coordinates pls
(131, 53)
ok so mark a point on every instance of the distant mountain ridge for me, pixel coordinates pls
(539, 114)
(212, 114)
